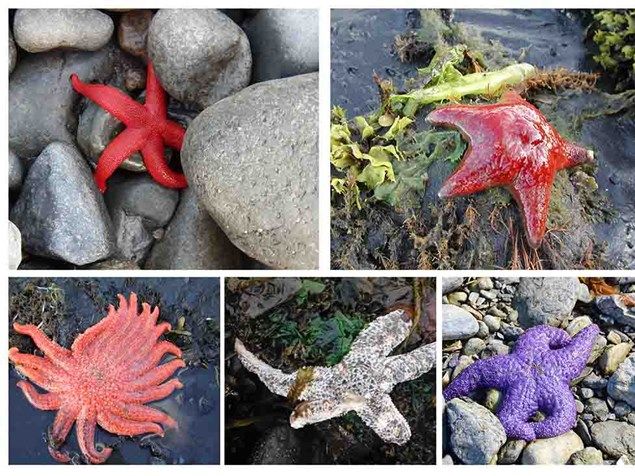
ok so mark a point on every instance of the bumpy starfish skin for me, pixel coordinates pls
(148, 129)
(511, 144)
(105, 378)
(534, 377)
(362, 382)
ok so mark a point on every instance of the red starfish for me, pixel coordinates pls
(511, 144)
(106, 377)
(148, 129)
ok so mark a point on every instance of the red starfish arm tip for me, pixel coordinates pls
(41, 401)
(121, 147)
(155, 163)
(534, 201)
(577, 155)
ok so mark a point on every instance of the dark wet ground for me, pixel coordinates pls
(65, 307)
(362, 44)
(274, 318)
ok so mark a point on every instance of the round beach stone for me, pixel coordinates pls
(457, 323)
(614, 438)
(545, 300)
(200, 56)
(193, 240)
(252, 159)
(621, 385)
(60, 212)
(132, 31)
(284, 42)
(41, 99)
(16, 171)
(14, 246)
(588, 455)
(556, 450)
(43, 29)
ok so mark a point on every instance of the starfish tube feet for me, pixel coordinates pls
(511, 145)
(147, 130)
(104, 379)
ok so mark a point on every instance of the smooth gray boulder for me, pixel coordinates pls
(545, 300)
(622, 383)
(450, 284)
(457, 323)
(253, 159)
(284, 42)
(614, 438)
(60, 212)
(13, 53)
(16, 171)
(193, 241)
(476, 434)
(614, 307)
(556, 450)
(200, 56)
(41, 99)
(43, 29)
(138, 206)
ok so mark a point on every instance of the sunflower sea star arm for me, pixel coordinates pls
(382, 416)
(85, 427)
(124, 426)
(412, 365)
(381, 336)
(60, 429)
(275, 380)
(50, 348)
(43, 401)
(151, 394)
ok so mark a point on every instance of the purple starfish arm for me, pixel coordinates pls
(569, 360)
(538, 340)
(514, 416)
(488, 373)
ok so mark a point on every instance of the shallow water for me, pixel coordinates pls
(196, 407)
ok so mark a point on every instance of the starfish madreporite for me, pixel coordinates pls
(361, 382)
(147, 130)
(107, 376)
(511, 144)
(533, 378)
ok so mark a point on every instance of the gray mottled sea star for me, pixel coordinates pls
(361, 382)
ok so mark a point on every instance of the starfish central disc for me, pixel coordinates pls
(512, 145)
(148, 130)
(107, 376)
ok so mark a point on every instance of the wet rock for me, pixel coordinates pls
(138, 207)
(492, 398)
(451, 284)
(511, 451)
(473, 346)
(476, 434)
(613, 307)
(14, 246)
(132, 32)
(545, 300)
(457, 323)
(577, 324)
(200, 56)
(587, 456)
(60, 212)
(613, 356)
(555, 450)
(594, 382)
(43, 29)
(621, 409)
(284, 42)
(275, 292)
(614, 438)
(41, 99)
(583, 432)
(16, 171)
(13, 53)
(193, 240)
(253, 160)
(621, 385)
(493, 323)
(598, 408)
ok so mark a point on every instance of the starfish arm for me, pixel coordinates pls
(533, 197)
(382, 416)
(50, 348)
(155, 95)
(381, 336)
(541, 340)
(570, 358)
(151, 394)
(86, 338)
(275, 380)
(85, 427)
(116, 102)
(41, 371)
(157, 375)
(576, 155)
(64, 419)
(495, 372)
(42, 401)
(148, 361)
(173, 134)
(155, 162)
(136, 412)
(517, 409)
(123, 426)
(412, 365)
(314, 411)
(558, 403)
(119, 149)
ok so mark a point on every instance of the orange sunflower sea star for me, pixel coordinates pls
(109, 373)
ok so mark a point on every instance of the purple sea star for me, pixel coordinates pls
(534, 377)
